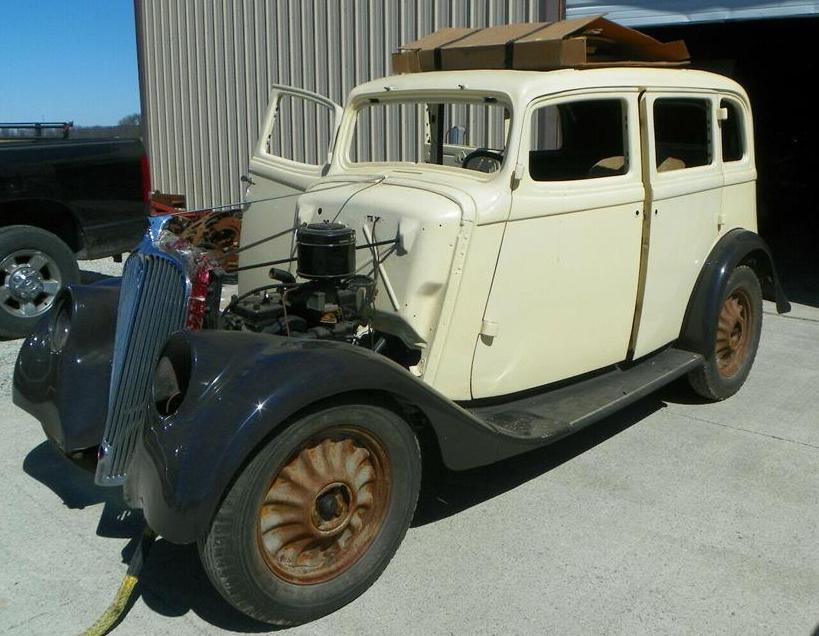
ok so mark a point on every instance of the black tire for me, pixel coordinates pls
(288, 587)
(34, 266)
(739, 325)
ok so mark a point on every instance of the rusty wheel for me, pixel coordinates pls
(738, 326)
(325, 507)
(316, 515)
(733, 332)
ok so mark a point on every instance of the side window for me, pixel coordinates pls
(732, 131)
(579, 140)
(682, 133)
(301, 130)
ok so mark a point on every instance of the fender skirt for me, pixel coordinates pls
(241, 387)
(737, 247)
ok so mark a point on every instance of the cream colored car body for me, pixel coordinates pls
(508, 283)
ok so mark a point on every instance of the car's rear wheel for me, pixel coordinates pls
(34, 266)
(738, 327)
(315, 517)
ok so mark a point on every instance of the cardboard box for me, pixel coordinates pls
(578, 43)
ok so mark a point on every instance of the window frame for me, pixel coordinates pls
(631, 137)
(344, 161)
(742, 127)
(715, 166)
(274, 115)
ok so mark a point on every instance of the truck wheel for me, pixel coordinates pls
(315, 517)
(34, 265)
(739, 324)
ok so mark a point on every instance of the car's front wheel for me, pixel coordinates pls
(34, 265)
(315, 517)
(738, 327)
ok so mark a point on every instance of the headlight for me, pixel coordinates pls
(60, 325)
(171, 377)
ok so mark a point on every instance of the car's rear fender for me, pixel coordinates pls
(737, 247)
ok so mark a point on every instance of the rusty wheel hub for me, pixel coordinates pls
(733, 333)
(325, 507)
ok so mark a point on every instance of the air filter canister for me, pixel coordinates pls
(325, 250)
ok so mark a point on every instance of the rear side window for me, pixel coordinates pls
(682, 133)
(578, 140)
(732, 131)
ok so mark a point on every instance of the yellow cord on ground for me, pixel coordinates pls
(111, 617)
(115, 609)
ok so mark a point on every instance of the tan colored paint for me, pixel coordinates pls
(277, 182)
(685, 205)
(551, 269)
(566, 282)
(452, 374)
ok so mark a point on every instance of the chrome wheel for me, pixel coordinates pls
(29, 282)
(325, 507)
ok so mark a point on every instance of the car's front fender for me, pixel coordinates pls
(242, 388)
(67, 390)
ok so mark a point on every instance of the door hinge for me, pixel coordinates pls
(517, 175)
(489, 328)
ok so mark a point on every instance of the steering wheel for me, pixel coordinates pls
(483, 160)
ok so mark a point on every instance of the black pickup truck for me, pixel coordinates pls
(61, 200)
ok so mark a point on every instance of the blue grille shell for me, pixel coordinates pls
(152, 305)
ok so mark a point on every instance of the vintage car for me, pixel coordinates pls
(483, 263)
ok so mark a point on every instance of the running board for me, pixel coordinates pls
(548, 416)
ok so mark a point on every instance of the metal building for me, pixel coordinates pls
(206, 68)
(642, 13)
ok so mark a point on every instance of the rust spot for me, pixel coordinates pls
(733, 332)
(325, 506)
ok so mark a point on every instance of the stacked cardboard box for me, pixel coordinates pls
(538, 46)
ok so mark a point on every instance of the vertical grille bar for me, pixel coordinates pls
(152, 305)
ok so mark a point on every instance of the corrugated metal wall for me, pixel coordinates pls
(206, 67)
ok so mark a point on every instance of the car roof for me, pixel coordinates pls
(522, 86)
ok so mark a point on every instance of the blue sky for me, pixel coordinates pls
(68, 60)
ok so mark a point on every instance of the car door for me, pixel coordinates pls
(294, 148)
(563, 294)
(684, 181)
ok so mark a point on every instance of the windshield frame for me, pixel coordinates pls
(342, 155)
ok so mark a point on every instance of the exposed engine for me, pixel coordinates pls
(334, 303)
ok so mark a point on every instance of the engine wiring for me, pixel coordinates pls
(255, 290)
(376, 264)
(347, 200)
(242, 205)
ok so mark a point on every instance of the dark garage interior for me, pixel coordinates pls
(776, 62)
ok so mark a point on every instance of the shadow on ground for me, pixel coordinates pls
(76, 487)
(173, 581)
(447, 493)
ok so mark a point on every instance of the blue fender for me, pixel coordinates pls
(242, 388)
(66, 390)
